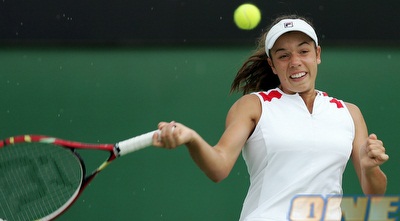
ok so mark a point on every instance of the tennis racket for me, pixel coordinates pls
(41, 176)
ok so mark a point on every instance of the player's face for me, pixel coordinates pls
(294, 59)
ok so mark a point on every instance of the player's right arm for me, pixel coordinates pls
(215, 161)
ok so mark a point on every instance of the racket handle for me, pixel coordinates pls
(134, 144)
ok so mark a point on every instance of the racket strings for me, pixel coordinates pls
(37, 179)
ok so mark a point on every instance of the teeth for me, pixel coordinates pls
(298, 75)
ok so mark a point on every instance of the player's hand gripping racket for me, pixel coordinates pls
(41, 176)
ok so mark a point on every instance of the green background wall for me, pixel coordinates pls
(108, 94)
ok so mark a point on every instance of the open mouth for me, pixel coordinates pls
(298, 75)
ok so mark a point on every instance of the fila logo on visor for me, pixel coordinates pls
(288, 25)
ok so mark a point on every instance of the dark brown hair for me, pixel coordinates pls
(256, 74)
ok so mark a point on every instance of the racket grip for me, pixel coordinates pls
(134, 144)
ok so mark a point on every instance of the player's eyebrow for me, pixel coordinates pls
(299, 45)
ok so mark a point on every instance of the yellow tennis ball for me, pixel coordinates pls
(247, 16)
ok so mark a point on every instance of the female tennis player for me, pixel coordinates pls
(294, 138)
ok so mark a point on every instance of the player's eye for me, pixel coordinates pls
(304, 51)
(283, 56)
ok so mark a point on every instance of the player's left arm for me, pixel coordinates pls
(367, 155)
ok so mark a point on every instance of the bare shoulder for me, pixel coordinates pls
(357, 116)
(248, 106)
(248, 99)
(354, 110)
(248, 102)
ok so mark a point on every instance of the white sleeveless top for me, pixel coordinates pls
(294, 152)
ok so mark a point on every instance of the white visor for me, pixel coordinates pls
(287, 25)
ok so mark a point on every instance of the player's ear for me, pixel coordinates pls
(271, 64)
(318, 50)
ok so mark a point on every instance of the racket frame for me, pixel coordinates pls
(115, 150)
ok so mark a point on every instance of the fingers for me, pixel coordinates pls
(378, 155)
(373, 137)
(376, 150)
(167, 137)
